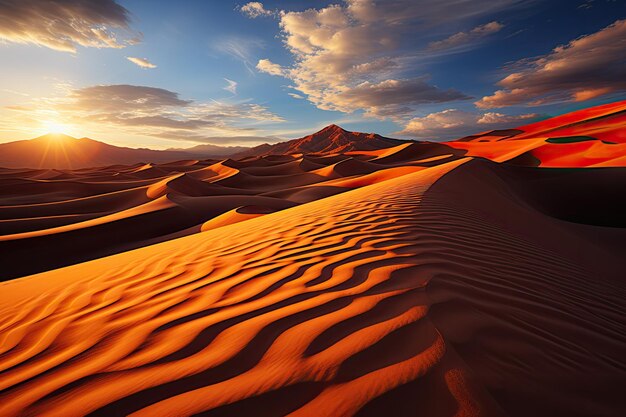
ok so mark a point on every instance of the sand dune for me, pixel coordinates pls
(399, 297)
(128, 206)
(478, 277)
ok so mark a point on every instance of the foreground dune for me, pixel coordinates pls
(446, 291)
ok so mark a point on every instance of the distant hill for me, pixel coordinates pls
(213, 150)
(331, 139)
(58, 151)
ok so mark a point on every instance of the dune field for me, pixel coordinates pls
(478, 277)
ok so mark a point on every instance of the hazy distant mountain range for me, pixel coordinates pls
(58, 151)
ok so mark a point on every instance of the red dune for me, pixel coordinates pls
(569, 123)
(478, 277)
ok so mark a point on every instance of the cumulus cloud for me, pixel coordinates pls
(267, 66)
(151, 111)
(254, 9)
(389, 97)
(462, 39)
(452, 124)
(231, 87)
(585, 68)
(142, 62)
(65, 24)
(360, 53)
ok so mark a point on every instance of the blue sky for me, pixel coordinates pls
(419, 69)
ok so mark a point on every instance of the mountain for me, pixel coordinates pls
(331, 139)
(213, 150)
(58, 151)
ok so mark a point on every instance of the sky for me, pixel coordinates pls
(174, 74)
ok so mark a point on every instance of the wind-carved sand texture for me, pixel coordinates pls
(393, 298)
(470, 278)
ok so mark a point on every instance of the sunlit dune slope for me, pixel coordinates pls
(590, 137)
(448, 291)
(101, 211)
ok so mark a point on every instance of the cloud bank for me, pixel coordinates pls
(585, 68)
(453, 124)
(64, 25)
(150, 111)
(361, 54)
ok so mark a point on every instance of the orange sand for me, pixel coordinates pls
(457, 279)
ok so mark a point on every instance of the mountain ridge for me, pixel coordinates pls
(60, 151)
(329, 140)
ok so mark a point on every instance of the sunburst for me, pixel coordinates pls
(54, 126)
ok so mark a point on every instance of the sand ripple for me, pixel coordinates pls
(385, 299)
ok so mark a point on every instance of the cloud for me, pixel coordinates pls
(121, 98)
(65, 24)
(267, 66)
(296, 96)
(353, 55)
(231, 87)
(461, 39)
(221, 140)
(242, 49)
(149, 111)
(254, 9)
(585, 68)
(142, 62)
(452, 124)
(388, 97)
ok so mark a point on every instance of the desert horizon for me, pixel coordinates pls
(361, 208)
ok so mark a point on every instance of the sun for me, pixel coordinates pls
(52, 126)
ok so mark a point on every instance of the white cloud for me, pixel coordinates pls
(587, 67)
(142, 62)
(360, 53)
(255, 9)
(461, 39)
(267, 66)
(296, 96)
(64, 25)
(452, 124)
(231, 87)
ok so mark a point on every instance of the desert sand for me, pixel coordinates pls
(479, 277)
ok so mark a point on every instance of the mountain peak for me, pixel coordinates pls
(330, 140)
(333, 128)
